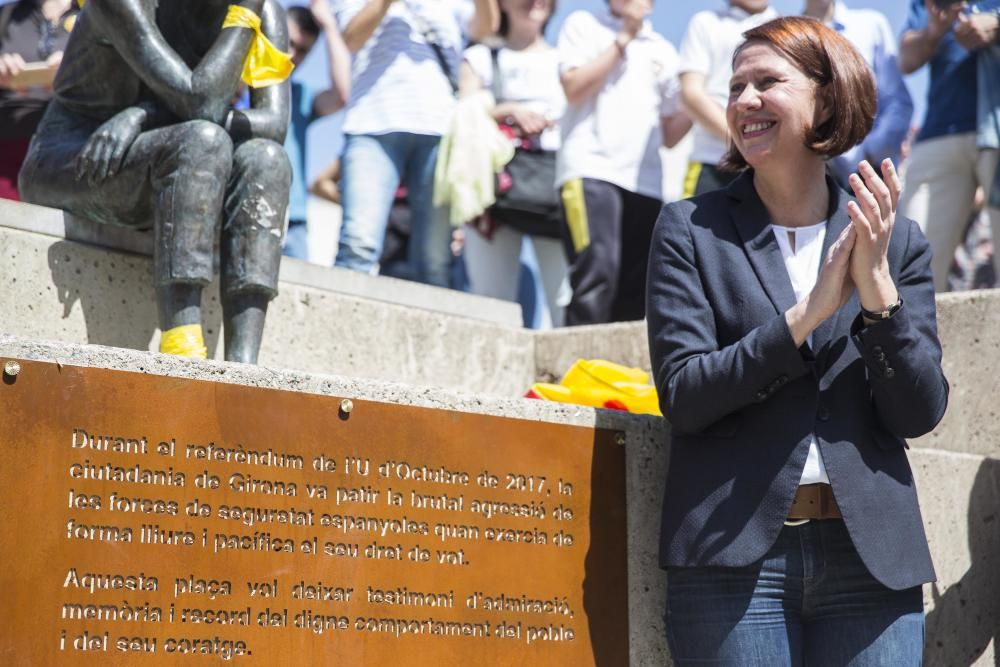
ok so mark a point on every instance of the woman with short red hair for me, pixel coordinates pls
(794, 342)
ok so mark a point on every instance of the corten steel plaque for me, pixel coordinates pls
(151, 519)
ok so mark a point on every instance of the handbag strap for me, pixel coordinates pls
(497, 76)
(431, 37)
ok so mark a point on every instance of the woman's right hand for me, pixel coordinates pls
(832, 290)
(11, 65)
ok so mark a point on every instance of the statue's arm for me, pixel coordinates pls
(203, 93)
(267, 117)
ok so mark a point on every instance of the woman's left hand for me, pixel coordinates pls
(873, 216)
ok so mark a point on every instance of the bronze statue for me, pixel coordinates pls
(141, 133)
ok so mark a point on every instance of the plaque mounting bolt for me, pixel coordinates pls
(12, 369)
(620, 439)
(346, 406)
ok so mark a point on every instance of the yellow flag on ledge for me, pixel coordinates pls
(266, 65)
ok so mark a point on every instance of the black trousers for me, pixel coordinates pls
(702, 178)
(608, 231)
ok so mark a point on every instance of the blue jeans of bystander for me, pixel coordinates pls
(296, 240)
(372, 167)
(810, 601)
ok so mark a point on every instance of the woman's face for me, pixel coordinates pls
(772, 106)
(535, 11)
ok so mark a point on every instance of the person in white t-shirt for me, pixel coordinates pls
(706, 66)
(529, 102)
(404, 72)
(620, 80)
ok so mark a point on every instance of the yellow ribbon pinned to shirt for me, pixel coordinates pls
(265, 65)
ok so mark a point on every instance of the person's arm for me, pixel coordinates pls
(698, 381)
(895, 106)
(918, 46)
(584, 82)
(203, 93)
(485, 21)
(360, 28)
(701, 107)
(902, 353)
(338, 60)
(674, 128)
(267, 117)
(977, 31)
(325, 185)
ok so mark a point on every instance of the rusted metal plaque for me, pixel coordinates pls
(149, 519)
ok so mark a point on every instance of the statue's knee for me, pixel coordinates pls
(263, 161)
(205, 143)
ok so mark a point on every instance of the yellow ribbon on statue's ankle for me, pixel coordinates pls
(184, 341)
(265, 65)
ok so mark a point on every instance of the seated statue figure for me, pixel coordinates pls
(141, 132)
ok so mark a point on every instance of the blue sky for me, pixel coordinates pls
(670, 18)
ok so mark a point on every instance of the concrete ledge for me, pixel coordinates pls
(54, 223)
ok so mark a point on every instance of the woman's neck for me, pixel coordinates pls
(794, 197)
(523, 37)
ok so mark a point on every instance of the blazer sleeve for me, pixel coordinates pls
(903, 354)
(698, 381)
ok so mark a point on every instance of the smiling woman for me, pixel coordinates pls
(791, 371)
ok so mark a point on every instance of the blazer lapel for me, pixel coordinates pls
(753, 224)
(838, 221)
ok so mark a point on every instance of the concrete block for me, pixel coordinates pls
(969, 328)
(960, 502)
(623, 343)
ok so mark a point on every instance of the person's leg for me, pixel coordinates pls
(738, 617)
(430, 230)
(492, 263)
(850, 618)
(593, 211)
(552, 267)
(296, 240)
(988, 178)
(254, 214)
(638, 219)
(371, 167)
(938, 192)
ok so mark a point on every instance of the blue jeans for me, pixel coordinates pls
(372, 167)
(296, 240)
(810, 601)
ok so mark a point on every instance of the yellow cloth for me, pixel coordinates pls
(184, 341)
(470, 155)
(602, 384)
(265, 64)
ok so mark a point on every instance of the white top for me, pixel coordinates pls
(398, 84)
(530, 78)
(803, 265)
(615, 135)
(708, 46)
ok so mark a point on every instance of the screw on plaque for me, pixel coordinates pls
(11, 370)
(346, 406)
(620, 438)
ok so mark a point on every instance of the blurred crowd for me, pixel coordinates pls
(478, 155)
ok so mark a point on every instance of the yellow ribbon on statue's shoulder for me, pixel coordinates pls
(266, 65)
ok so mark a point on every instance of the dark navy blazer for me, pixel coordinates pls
(742, 400)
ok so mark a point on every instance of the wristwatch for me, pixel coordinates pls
(882, 315)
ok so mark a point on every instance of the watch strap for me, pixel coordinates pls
(882, 315)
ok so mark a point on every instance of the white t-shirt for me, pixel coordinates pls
(615, 135)
(803, 270)
(398, 84)
(708, 46)
(530, 78)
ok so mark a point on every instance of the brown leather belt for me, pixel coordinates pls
(814, 501)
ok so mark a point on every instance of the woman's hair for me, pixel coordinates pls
(843, 79)
(505, 21)
(303, 18)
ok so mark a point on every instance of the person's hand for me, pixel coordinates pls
(941, 20)
(11, 65)
(873, 217)
(834, 286)
(977, 31)
(528, 122)
(102, 155)
(633, 16)
(323, 14)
